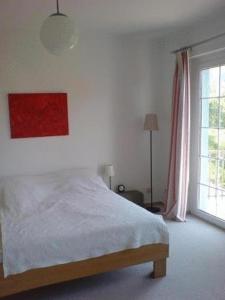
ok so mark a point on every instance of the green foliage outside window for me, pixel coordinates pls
(216, 142)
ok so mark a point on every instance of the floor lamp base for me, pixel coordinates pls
(153, 209)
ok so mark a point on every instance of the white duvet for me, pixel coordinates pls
(62, 217)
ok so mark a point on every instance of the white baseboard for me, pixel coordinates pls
(209, 218)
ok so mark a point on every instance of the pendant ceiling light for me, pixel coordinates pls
(58, 33)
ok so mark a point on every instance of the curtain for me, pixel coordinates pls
(178, 176)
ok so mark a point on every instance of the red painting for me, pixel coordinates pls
(38, 115)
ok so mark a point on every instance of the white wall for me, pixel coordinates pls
(137, 80)
(85, 75)
(110, 84)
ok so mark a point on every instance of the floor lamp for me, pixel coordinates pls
(151, 124)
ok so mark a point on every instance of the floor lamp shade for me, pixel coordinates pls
(151, 122)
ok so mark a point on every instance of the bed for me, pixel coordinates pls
(66, 225)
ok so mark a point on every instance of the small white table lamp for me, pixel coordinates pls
(109, 172)
(151, 124)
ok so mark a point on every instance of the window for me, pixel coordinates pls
(212, 142)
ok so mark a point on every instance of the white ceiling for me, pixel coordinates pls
(112, 16)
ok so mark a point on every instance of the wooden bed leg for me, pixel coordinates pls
(159, 268)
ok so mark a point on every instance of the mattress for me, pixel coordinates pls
(80, 219)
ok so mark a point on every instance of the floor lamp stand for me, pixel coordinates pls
(152, 208)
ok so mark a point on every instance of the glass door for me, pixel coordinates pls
(211, 184)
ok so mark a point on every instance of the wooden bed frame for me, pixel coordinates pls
(60, 273)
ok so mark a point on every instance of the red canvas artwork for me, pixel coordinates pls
(38, 115)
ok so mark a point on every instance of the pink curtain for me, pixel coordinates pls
(178, 177)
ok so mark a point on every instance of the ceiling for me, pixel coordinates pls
(112, 16)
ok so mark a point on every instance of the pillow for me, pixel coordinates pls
(25, 195)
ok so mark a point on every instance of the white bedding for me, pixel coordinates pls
(73, 218)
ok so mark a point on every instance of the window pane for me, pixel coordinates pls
(210, 82)
(221, 174)
(221, 144)
(207, 199)
(210, 116)
(213, 142)
(220, 213)
(222, 82)
(222, 113)
(209, 142)
(208, 171)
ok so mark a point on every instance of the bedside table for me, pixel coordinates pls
(136, 197)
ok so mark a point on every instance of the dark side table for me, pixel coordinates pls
(134, 196)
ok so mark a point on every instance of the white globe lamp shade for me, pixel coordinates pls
(58, 33)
